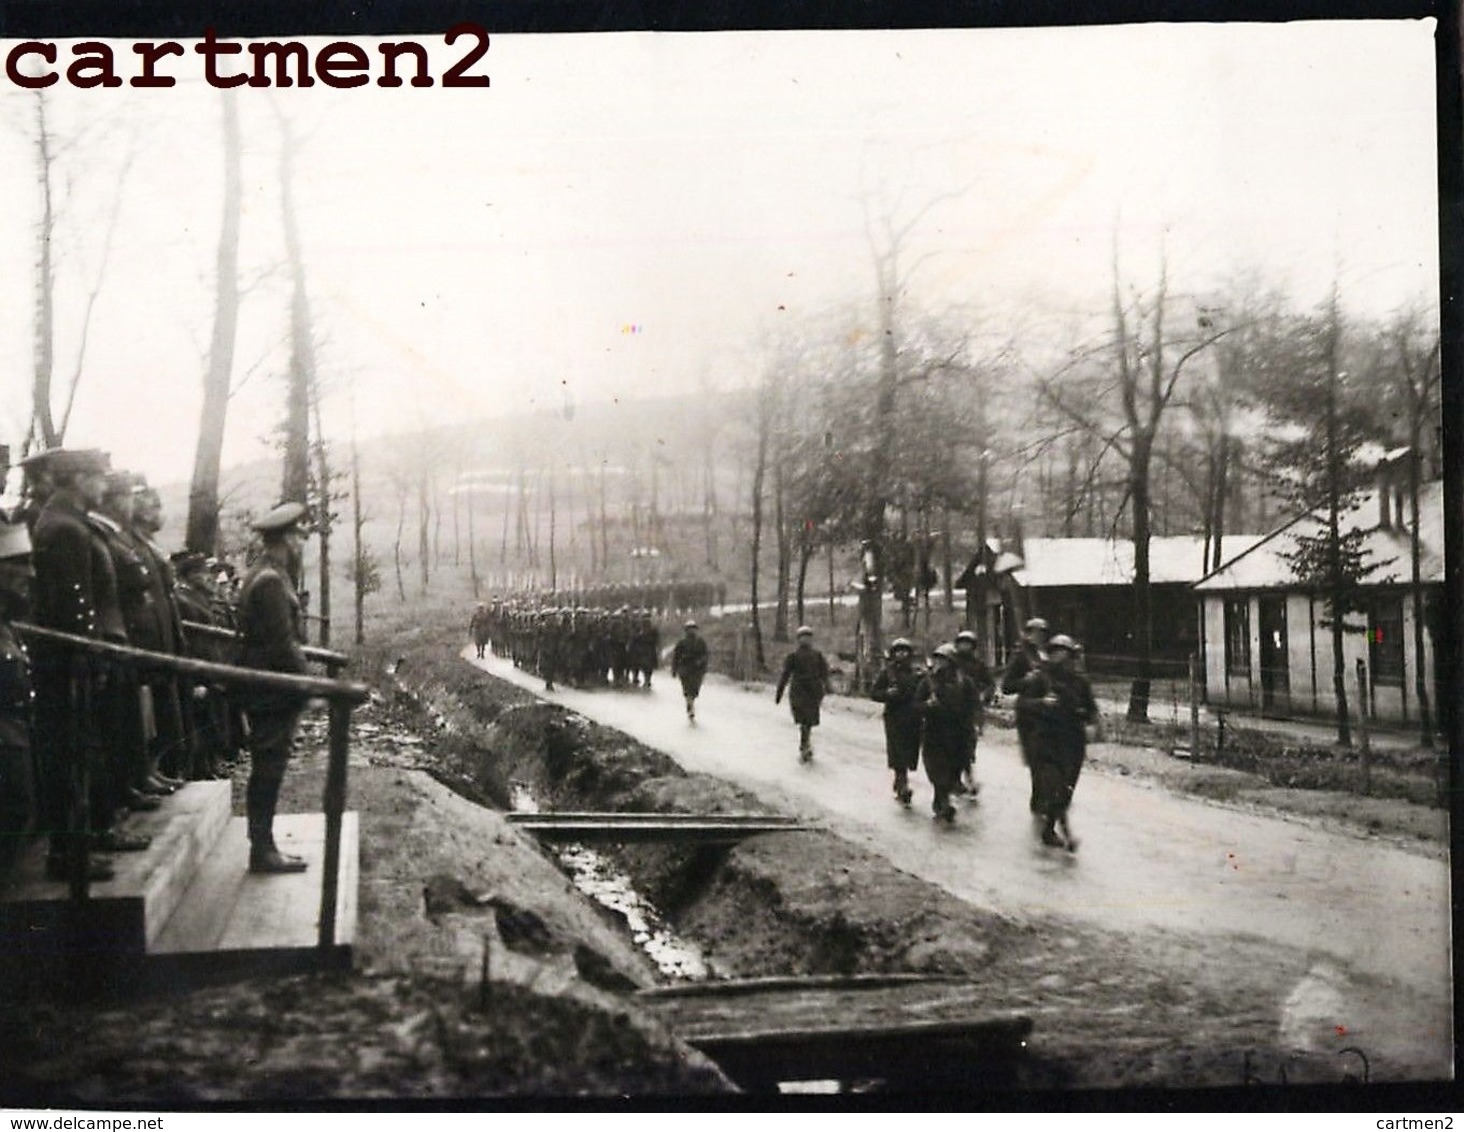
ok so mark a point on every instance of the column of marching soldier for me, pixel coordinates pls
(78, 556)
(933, 712)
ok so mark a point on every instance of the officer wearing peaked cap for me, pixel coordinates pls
(270, 632)
(280, 519)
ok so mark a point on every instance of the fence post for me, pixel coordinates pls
(1362, 735)
(335, 804)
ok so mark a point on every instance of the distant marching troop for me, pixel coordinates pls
(933, 713)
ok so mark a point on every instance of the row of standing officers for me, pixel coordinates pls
(87, 738)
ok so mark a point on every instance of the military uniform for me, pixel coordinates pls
(689, 665)
(805, 677)
(76, 593)
(269, 626)
(17, 770)
(1061, 704)
(897, 686)
(946, 698)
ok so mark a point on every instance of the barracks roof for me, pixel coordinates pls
(1264, 565)
(1110, 562)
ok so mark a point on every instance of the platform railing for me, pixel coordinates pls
(333, 661)
(341, 695)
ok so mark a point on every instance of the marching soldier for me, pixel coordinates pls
(689, 665)
(975, 669)
(945, 697)
(1030, 657)
(269, 625)
(645, 649)
(1061, 706)
(897, 687)
(806, 678)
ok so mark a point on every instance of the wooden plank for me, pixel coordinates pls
(229, 909)
(904, 1029)
(132, 908)
(679, 828)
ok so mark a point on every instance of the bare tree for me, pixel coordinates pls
(296, 479)
(365, 571)
(1416, 379)
(44, 425)
(1145, 362)
(203, 494)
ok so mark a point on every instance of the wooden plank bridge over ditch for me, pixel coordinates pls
(906, 1031)
(629, 828)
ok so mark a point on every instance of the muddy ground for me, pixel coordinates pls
(440, 747)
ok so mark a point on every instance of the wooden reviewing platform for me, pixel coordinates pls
(187, 906)
(910, 1031)
(689, 829)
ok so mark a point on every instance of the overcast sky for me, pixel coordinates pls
(625, 215)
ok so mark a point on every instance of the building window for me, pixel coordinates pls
(1237, 638)
(1385, 641)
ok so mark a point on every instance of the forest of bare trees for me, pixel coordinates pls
(869, 448)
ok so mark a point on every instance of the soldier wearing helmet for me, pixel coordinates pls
(975, 669)
(805, 677)
(1061, 707)
(946, 698)
(897, 686)
(689, 665)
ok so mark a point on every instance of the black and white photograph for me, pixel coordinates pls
(818, 566)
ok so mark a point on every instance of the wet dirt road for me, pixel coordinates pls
(1148, 858)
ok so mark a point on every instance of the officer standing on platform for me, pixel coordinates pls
(269, 628)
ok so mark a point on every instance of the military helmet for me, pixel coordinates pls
(965, 635)
(1064, 642)
(946, 651)
(901, 643)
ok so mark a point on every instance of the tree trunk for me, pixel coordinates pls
(295, 485)
(357, 523)
(553, 514)
(203, 495)
(785, 552)
(1138, 709)
(1420, 673)
(424, 519)
(45, 284)
(324, 520)
(472, 542)
(396, 548)
(758, 473)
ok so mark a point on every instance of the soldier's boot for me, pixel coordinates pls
(805, 745)
(261, 795)
(691, 708)
(1069, 841)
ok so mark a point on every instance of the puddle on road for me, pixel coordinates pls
(594, 875)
